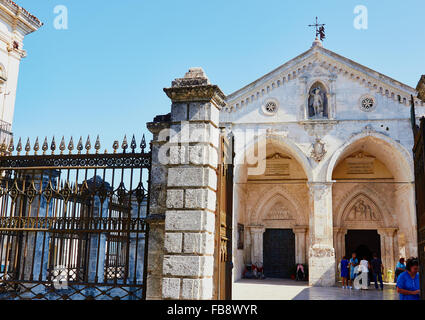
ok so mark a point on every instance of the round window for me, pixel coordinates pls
(367, 103)
(270, 107)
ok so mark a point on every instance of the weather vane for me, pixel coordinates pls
(320, 29)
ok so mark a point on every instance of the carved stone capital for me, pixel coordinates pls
(319, 190)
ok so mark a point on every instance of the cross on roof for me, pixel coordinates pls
(320, 29)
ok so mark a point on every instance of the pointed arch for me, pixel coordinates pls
(277, 195)
(402, 168)
(383, 217)
(286, 144)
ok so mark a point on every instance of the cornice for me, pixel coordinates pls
(197, 93)
(26, 21)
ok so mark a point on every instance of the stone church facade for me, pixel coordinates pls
(322, 167)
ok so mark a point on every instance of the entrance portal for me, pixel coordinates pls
(279, 253)
(363, 242)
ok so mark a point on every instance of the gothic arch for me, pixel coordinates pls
(279, 195)
(403, 156)
(283, 142)
(383, 218)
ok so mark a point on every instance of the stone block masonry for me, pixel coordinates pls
(188, 261)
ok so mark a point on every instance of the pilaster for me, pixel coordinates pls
(257, 237)
(321, 251)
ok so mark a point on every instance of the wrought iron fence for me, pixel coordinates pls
(72, 226)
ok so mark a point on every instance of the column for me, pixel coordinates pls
(321, 251)
(300, 244)
(157, 206)
(257, 236)
(387, 252)
(191, 188)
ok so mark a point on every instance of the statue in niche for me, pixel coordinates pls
(318, 102)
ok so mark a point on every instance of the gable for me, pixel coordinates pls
(319, 61)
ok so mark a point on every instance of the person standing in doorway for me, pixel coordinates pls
(354, 262)
(399, 269)
(344, 272)
(364, 268)
(408, 282)
(377, 270)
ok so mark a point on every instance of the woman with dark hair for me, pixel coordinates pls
(399, 269)
(408, 282)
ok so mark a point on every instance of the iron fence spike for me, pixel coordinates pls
(36, 146)
(45, 146)
(133, 144)
(71, 145)
(53, 145)
(80, 145)
(124, 145)
(88, 144)
(11, 145)
(97, 145)
(19, 146)
(28, 146)
(62, 145)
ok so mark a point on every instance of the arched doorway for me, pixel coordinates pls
(363, 242)
(270, 208)
(373, 201)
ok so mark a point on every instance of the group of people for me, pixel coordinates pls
(356, 273)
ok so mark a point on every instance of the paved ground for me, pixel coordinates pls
(276, 289)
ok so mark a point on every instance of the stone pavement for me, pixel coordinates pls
(277, 289)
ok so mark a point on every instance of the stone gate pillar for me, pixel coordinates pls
(321, 252)
(191, 187)
(157, 207)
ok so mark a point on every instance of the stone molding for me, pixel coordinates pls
(197, 93)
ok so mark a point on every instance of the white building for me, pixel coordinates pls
(334, 142)
(15, 24)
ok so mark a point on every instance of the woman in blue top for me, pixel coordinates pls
(399, 269)
(408, 282)
(354, 262)
(344, 272)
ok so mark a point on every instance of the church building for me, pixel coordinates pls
(323, 167)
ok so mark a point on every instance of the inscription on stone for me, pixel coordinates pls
(277, 168)
(360, 168)
(360, 163)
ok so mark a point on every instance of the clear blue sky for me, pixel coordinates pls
(105, 74)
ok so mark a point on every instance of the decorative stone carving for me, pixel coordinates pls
(322, 252)
(318, 152)
(279, 212)
(362, 211)
(270, 107)
(367, 103)
(318, 191)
